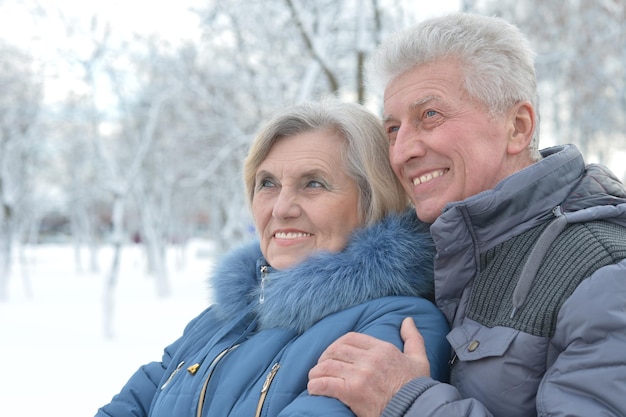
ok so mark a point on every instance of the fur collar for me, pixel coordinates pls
(392, 257)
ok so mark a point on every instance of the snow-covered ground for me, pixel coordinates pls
(55, 359)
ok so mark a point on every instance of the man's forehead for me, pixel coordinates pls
(416, 104)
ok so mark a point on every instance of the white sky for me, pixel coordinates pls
(24, 24)
(44, 34)
(171, 19)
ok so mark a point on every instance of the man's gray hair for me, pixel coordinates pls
(495, 56)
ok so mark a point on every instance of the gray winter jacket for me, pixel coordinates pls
(532, 277)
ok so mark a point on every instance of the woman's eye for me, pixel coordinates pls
(314, 184)
(266, 183)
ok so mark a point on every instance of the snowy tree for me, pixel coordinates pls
(293, 50)
(149, 139)
(19, 111)
(104, 156)
(581, 67)
(247, 66)
(194, 170)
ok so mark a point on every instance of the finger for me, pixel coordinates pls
(329, 378)
(351, 388)
(327, 368)
(327, 386)
(347, 347)
(413, 340)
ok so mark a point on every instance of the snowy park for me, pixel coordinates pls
(56, 360)
(120, 127)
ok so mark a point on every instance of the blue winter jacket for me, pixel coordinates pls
(243, 357)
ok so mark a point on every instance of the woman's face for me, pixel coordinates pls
(304, 201)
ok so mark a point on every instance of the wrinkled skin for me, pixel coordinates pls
(364, 372)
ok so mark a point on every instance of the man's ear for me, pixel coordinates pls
(522, 126)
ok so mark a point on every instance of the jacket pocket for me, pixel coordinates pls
(498, 362)
(473, 341)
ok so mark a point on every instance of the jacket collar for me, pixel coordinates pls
(392, 257)
(532, 196)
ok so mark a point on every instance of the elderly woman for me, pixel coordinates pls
(338, 251)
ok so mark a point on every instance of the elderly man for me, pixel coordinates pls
(530, 268)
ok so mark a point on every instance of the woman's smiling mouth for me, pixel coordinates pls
(290, 235)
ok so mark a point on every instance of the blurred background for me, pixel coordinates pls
(123, 125)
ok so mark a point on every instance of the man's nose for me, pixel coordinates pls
(407, 145)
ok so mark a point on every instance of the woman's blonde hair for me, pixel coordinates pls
(366, 151)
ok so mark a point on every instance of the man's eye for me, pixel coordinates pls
(392, 132)
(430, 113)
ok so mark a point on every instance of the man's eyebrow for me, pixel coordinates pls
(413, 106)
(423, 101)
(387, 118)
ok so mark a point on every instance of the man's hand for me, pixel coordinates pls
(364, 372)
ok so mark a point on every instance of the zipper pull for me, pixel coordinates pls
(266, 387)
(263, 279)
(193, 368)
(169, 379)
(453, 360)
(270, 377)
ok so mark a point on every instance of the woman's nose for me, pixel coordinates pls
(286, 204)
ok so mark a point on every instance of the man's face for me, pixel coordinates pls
(444, 146)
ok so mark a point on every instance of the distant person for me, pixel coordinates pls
(338, 251)
(530, 269)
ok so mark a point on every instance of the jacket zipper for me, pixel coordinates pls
(266, 387)
(263, 280)
(169, 379)
(208, 378)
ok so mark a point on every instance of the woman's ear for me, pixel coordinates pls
(522, 126)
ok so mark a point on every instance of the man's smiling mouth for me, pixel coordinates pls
(430, 176)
